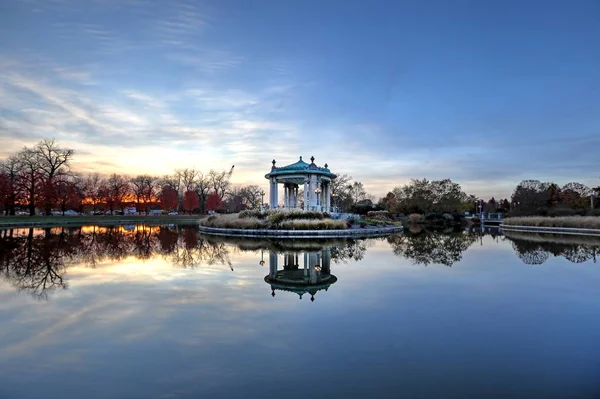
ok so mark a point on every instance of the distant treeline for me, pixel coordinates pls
(40, 179)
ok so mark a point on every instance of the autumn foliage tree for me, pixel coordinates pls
(168, 198)
(214, 203)
(190, 201)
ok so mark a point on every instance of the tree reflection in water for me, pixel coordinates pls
(535, 249)
(426, 247)
(36, 260)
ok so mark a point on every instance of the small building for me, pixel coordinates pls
(315, 180)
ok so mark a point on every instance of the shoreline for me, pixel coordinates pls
(58, 221)
(551, 230)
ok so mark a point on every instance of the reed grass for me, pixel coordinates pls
(579, 222)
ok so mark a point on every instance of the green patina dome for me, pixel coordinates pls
(300, 167)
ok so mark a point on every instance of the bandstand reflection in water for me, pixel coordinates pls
(301, 272)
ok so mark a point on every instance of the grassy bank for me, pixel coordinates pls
(24, 221)
(577, 222)
(276, 220)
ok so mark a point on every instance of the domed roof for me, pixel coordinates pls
(300, 167)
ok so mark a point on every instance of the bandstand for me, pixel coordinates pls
(315, 181)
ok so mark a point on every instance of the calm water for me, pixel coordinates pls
(164, 312)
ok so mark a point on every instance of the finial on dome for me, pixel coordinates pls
(273, 162)
(312, 159)
(300, 157)
(325, 166)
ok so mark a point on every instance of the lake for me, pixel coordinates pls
(164, 312)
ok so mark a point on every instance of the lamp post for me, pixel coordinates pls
(334, 195)
(262, 260)
(318, 191)
(592, 199)
(262, 200)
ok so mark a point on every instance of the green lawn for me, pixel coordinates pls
(57, 220)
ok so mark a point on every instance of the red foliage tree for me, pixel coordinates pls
(168, 198)
(213, 202)
(49, 196)
(190, 201)
(4, 192)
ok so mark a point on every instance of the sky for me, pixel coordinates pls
(484, 93)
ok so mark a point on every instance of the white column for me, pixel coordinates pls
(328, 197)
(296, 188)
(305, 195)
(305, 264)
(311, 192)
(276, 197)
(285, 195)
(272, 264)
(273, 195)
(313, 260)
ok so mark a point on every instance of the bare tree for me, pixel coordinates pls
(219, 181)
(187, 177)
(117, 188)
(28, 181)
(93, 190)
(251, 197)
(52, 161)
(202, 188)
(10, 168)
(357, 191)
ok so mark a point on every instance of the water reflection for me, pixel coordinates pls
(425, 247)
(36, 260)
(315, 274)
(536, 249)
(164, 301)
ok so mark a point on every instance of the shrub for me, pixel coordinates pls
(304, 224)
(275, 218)
(415, 218)
(554, 212)
(373, 214)
(251, 214)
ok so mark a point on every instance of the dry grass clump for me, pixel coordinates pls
(415, 218)
(275, 219)
(232, 222)
(279, 215)
(581, 222)
(304, 224)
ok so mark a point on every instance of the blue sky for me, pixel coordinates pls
(485, 93)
